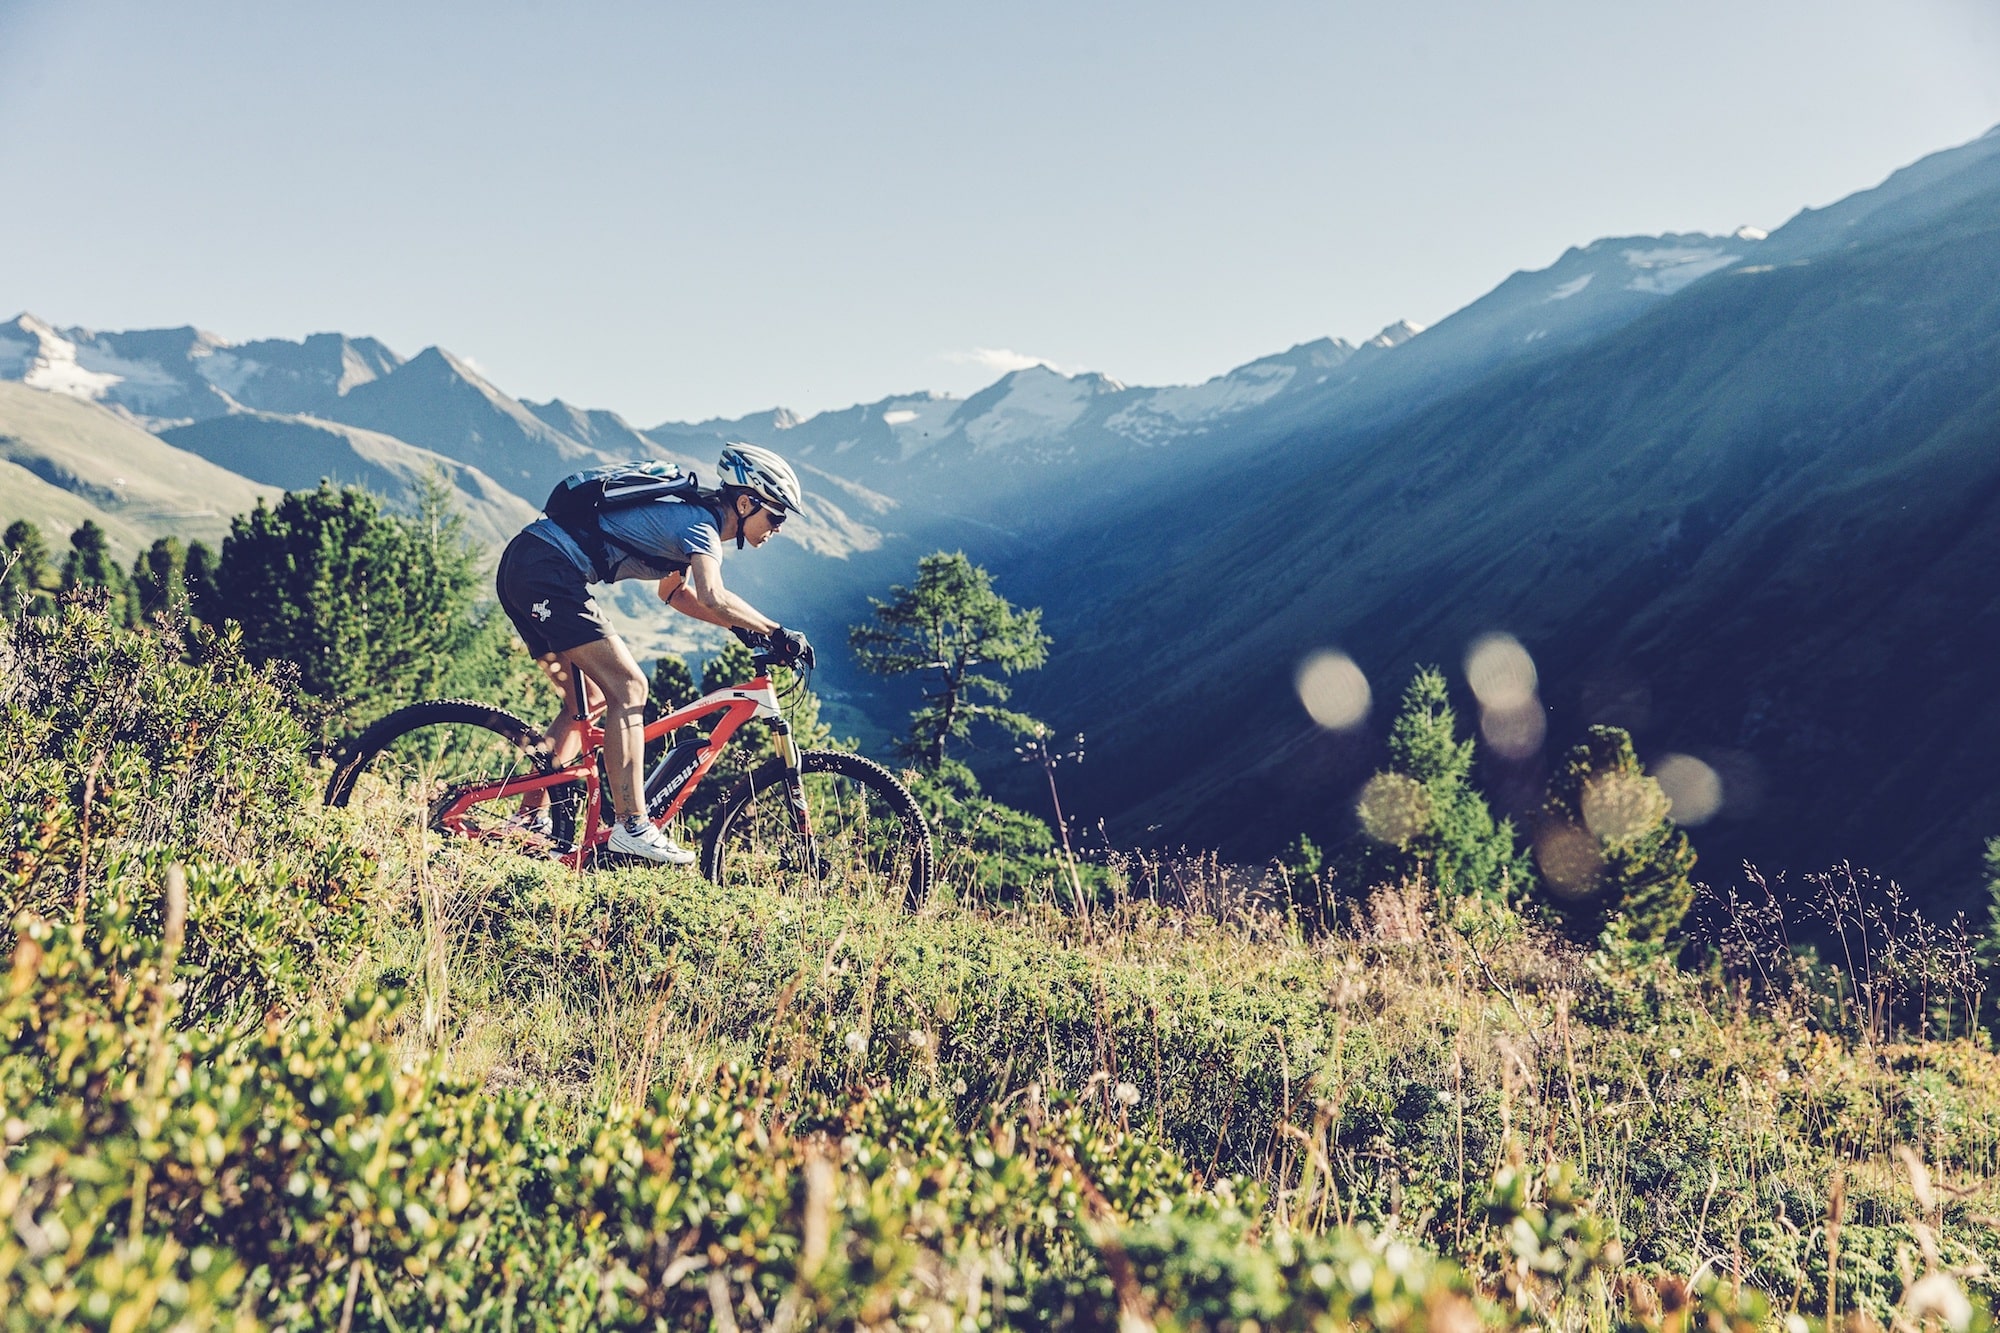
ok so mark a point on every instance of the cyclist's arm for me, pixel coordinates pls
(704, 598)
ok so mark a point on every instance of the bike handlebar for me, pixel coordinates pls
(783, 647)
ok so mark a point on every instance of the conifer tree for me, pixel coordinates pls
(1422, 813)
(90, 564)
(952, 623)
(28, 573)
(370, 607)
(159, 577)
(671, 687)
(732, 666)
(1990, 946)
(1302, 858)
(672, 682)
(198, 577)
(1608, 847)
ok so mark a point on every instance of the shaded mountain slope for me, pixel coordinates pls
(1760, 523)
(294, 453)
(436, 401)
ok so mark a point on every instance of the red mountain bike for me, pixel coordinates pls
(820, 819)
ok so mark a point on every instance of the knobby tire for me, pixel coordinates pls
(868, 826)
(513, 739)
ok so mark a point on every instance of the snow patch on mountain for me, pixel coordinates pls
(918, 422)
(1571, 288)
(1165, 413)
(1037, 403)
(1395, 335)
(51, 362)
(1664, 270)
(226, 370)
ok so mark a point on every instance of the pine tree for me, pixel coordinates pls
(1610, 852)
(90, 564)
(672, 682)
(952, 623)
(26, 572)
(1423, 815)
(371, 607)
(732, 666)
(159, 578)
(1990, 946)
(671, 687)
(1302, 858)
(198, 577)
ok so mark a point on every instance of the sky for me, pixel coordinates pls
(681, 211)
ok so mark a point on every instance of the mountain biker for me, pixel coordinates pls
(542, 581)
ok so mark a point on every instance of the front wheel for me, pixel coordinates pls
(868, 832)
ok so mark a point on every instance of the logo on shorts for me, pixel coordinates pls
(540, 611)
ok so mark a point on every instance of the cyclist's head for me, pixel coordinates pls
(768, 480)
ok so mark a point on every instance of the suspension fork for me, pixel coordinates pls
(795, 790)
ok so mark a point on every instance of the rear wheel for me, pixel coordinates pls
(430, 757)
(868, 832)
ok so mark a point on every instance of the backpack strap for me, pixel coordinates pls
(605, 553)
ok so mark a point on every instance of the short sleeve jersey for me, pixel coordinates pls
(651, 540)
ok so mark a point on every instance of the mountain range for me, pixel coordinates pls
(1727, 489)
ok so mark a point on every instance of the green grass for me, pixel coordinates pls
(136, 486)
(267, 1065)
(1382, 1077)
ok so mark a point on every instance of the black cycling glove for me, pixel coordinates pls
(785, 647)
(791, 648)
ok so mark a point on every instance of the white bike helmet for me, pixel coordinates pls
(770, 478)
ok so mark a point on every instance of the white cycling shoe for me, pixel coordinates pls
(642, 838)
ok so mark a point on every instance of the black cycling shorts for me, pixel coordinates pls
(548, 598)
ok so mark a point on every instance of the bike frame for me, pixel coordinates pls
(755, 698)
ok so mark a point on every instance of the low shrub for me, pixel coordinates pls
(161, 1175)
(123, 751)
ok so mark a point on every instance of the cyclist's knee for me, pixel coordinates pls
(626, 694)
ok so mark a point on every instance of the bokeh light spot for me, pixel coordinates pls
(1569, 860)
(1394, 809)
(1515, 733)
(1621, 808)
(1694, 788)
(1501, 673)
(1333, 690)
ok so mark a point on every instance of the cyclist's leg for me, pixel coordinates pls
(608, 663)
(549, 602)
(565, 734)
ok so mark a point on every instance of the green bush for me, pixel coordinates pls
(118, 756)
(161, 1176)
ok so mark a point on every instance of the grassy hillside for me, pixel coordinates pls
(1757, 525)
(88, 462)
(268, 1065)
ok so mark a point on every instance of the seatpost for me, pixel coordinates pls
(576, 692)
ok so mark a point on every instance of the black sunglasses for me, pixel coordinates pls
(775, 515)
